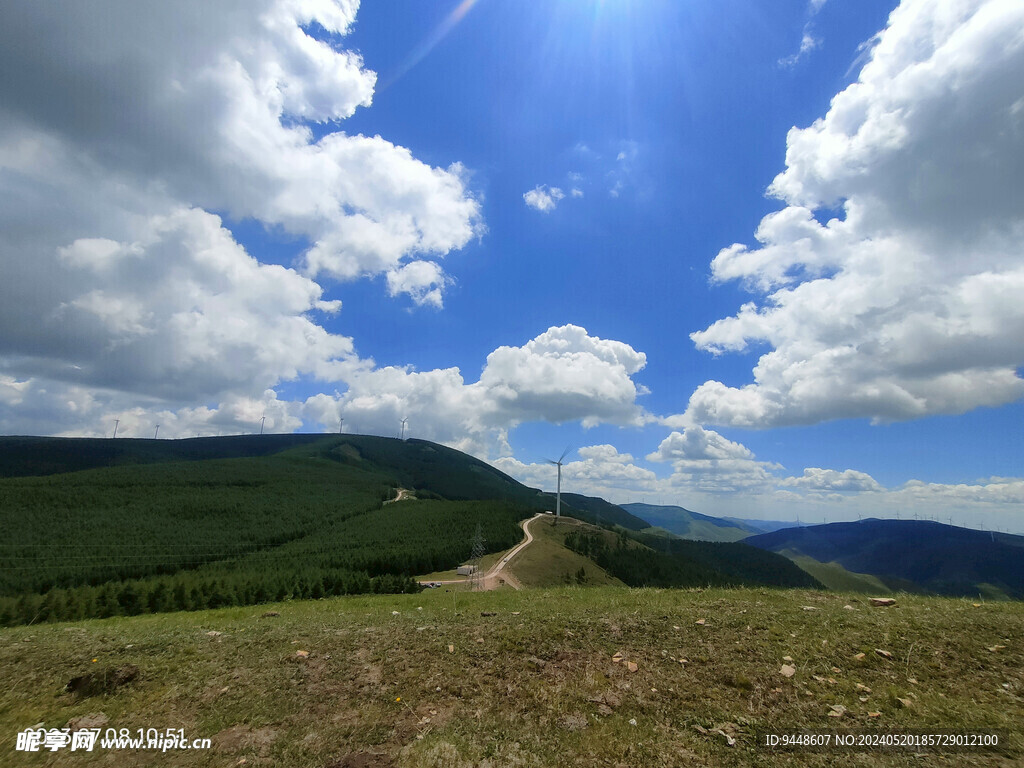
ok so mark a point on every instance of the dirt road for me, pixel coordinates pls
(401, 494)
(492, 579)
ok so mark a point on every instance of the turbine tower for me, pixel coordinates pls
(263, 420)
(341, 424)
(156, 431)
(403, 427)
(558, 493)
(116, 422)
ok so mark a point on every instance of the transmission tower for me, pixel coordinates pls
(478, 550)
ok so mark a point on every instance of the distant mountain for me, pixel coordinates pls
(764, 526)
(691, 525)
(911, 554)
(598, 511)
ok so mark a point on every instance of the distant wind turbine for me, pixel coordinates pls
(156, 431)
(116, 422)
(403, 427)
(558, 492)
(341, 424)
(263, 420)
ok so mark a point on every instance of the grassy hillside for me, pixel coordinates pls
(690, 525)
(418, 681)
(548, 562)
(923, 555)
(835, 577)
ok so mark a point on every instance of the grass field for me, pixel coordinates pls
(429, 680)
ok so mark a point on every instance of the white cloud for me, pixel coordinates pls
(122, 293)
(182, 312)
(422, 280)
(815, 479)
(808, 43)
(706, 462)
(996, 490)
(696, 443)
(42, 406)
(903, 307)
(543, 198)
(562, 375)
(601, 471)
(577, 192)
(104, 126)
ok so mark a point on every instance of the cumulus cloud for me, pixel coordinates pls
(815, 479)
(182, 312)
(124, 291)
(902, 305)
(104, 127)
(543, 198)
(422, 280)
(562, 375)
(705, 461)
(995, 490)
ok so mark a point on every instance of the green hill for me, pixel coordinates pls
(25, 456)
(690, 525)
(152, 532)
(596, 510)
(166, 525)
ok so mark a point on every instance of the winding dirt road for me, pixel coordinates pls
(494, 578)
(491, 579)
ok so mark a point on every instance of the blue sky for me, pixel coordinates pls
(515, 224)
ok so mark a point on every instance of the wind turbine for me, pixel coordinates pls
(263, 420)
(341, 424)
(156, 431)
(403, 427)
(116, 422)
(558, 494)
